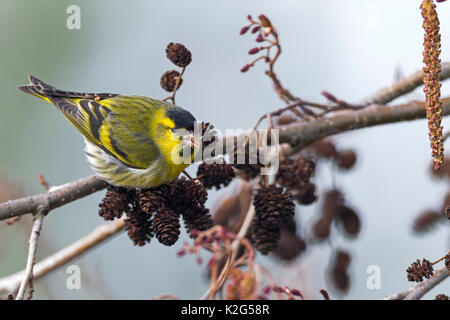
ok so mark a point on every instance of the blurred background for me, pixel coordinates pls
(350, 48)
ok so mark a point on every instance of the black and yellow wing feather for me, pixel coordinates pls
(93, 114)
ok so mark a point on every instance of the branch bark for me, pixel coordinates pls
(422, 288)
(64, 194)
(99, 235)
(302, 134)
(404, 86)
(35, 232)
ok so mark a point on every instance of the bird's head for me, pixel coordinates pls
(175, 136)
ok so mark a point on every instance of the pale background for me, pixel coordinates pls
(350, 48)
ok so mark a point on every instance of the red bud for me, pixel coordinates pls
(267, 289)
(253, 51)
(329, 96)
(277, 289)
(244, 30)
(181, 253)
(245, 68)
(249, 17)
(255, 29)
(259, 38)
(296, 292)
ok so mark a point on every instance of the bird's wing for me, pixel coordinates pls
(96, 117)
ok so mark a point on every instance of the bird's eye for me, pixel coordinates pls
(173, 130)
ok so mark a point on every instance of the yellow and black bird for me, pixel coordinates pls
(131, 141)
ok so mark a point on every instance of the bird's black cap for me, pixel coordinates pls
(182, 118)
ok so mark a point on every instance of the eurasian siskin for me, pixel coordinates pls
(131, 141)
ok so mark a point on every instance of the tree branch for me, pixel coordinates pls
(301, 134)
(103, 232)
(404, 86)
(64, 194)
(297, 135)
(35, 232)
(422, 288)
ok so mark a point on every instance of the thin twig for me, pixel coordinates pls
(35, 232)
(232, 256)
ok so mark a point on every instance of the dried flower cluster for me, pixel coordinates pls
(115, 203)
(263, 29)
(339, 270)
(427, 221)
(325, 149)
(432, 74)
(180, 56)
(419, 270)
(241, 286)
(169, 79)
(156, 211)
(334, 209)
(215, 174)
(290, 245)
(247, 160)
(295, 175)
(273, 207)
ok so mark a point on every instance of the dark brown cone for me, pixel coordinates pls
(152, 199)
(332, 200)
(264, 239)
(166, 224)
(306, 195)
(295, 174)
(417, 271)
(178, 54)
(322, 228)
(441, 297)
(168, 80)
(247, 161)
(339, 270)
(186, 195)
(290, 245)
(340, 278)
(115, 203)
(139, 226)
(324, 149)
(199, 219)
(273, 205)
(215, 174)
(346, 159)
(426, 221)
(349, 220)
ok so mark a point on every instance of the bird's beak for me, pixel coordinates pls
(191, 140)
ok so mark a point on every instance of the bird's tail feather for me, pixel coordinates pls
(45, 91)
